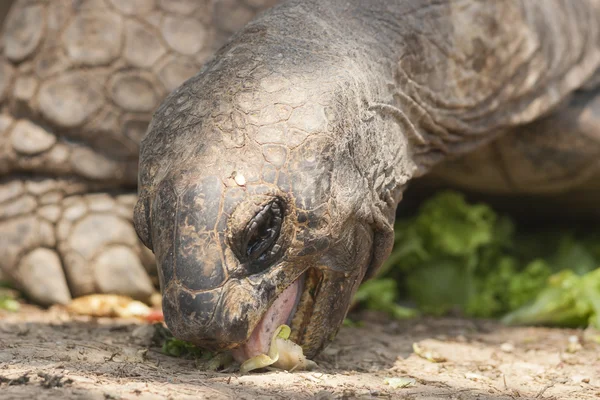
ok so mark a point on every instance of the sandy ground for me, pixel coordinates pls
(49, 354)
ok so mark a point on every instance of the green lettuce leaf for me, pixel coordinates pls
(453, 256)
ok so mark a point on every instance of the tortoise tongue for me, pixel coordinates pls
(278, 314)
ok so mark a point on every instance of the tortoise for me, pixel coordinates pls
(269, 181)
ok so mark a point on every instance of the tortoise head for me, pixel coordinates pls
(252, 201)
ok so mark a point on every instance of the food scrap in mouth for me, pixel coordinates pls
(283, 354)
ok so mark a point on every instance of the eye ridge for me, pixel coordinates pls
(262, 231)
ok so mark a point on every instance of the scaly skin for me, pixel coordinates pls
(79, 81)
(548, 170)
(328, 109)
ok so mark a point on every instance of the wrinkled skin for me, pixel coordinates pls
(326, 110)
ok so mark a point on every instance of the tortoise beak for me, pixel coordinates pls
(322, 309)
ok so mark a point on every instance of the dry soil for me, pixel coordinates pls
(49, 354)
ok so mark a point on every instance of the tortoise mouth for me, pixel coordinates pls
(282, 311)
(301, 319)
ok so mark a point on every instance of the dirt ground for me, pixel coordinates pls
(51, 355)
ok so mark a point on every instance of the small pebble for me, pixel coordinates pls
(574, 346)
(475, 377)
(507, 347)
(400, 382)
(580, 379)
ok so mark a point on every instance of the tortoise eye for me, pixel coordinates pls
(262, 231)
